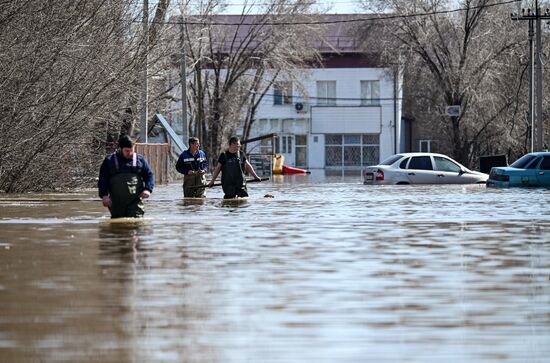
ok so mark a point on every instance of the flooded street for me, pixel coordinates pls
(329, 270)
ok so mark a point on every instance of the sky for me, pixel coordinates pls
(333, 6)
(328, 6)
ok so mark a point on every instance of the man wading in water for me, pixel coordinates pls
(125, 179)
(233, 163)
(193, 165)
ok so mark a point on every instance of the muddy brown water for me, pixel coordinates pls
(329, 270)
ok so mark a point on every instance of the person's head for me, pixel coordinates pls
(126, 145)
(234, 144)
(194, 144)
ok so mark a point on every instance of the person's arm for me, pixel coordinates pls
(204, 165)
(251, 170)
(148, 178)
(215, 174)
(103, 183)
(181, 166)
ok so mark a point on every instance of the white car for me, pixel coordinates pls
(422, 168)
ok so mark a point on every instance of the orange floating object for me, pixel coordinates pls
(288, 170)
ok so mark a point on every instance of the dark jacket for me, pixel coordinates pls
(187, 162)
(109, 168)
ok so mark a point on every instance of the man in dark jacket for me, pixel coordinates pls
(193, 165)
(233, 164)
(125, 179)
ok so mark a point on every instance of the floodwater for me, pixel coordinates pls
(329, 270)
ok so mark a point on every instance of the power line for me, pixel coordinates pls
(335, 21)
(256, 4)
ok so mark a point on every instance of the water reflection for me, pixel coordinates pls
(194, 202)
(328, 270)
(122, 239)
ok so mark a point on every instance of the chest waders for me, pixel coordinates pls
(125, 190)
(233, 180)
(194, 180)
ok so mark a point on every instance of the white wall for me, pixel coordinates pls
(346, 120)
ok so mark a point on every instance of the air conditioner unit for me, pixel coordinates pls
(301, 107)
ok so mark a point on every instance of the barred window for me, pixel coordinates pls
(351, 150)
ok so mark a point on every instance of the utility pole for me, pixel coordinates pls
(539, 77)
(532, 84)
(535, 16)
(145, 83)
(183, 80)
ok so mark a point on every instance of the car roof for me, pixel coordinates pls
(540, 153)
(422, 154)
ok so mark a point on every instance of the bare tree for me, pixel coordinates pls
(66, 74)
(235, 59)
(457, 53)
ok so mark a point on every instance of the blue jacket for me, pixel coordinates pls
(188, 162)
(109, 168)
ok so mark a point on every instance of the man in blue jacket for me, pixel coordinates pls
(125, 179)
(193, 165)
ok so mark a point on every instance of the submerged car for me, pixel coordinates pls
(531, 170)
(422, 168)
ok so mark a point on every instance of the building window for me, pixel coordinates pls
(371, 149)
(326, 93)
(370, 93)
(286, 144)
(351, 150)
(282, 93)
(425, 146)
(263, 124)
(266, 146)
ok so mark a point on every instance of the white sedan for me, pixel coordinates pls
(422, 168)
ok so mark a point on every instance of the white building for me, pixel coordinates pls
(345, 120)
(345, 115)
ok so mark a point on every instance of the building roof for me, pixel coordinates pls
(339, 31)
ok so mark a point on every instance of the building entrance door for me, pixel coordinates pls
(287, 149)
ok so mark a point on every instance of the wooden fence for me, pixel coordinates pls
(158, 157)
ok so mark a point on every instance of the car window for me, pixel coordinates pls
(391, 159)
(533, 164)
(444, 164)
(545, 163)
(403, 164)
(522, 162)
(420, 163)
